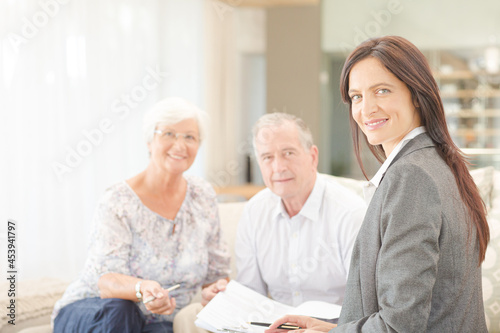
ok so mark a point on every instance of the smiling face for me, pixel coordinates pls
(174, 155)
(288, 169)
(381, 104)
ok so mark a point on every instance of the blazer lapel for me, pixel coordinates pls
(419, 142)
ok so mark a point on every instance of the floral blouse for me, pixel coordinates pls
(128, 238)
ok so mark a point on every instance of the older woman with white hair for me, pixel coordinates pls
(153, 231)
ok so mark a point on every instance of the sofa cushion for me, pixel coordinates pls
(354, 185)
(229, 214)
(483, 178)
(491, 265)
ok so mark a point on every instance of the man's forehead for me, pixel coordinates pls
(279, 146)
(271, 134)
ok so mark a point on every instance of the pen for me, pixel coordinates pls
(282, 326)
(152, 298)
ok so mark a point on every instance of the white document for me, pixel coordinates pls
(238, 305)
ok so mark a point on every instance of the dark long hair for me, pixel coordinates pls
(409, 65)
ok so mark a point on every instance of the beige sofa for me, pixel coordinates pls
(36, 298)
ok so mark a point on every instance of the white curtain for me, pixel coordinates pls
(76, 77)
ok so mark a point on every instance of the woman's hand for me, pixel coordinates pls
(162, 303)
(308, 324)
(209, 292)
(115, 285)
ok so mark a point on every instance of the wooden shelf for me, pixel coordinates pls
(456, 75)
(461, 74)
(469, 113)
(471, 93)
(455, 83)
(481, 151)
(476, 132)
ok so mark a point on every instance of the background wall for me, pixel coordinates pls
(428, 24)
(293, 63)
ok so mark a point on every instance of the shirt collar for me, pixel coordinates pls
(311, 207)
(375, 181)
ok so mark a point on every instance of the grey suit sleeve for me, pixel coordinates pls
(410, 224)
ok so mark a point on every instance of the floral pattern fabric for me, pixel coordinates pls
(131, 239)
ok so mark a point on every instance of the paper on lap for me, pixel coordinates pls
(238, 305)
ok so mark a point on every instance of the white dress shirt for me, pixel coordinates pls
(305, 257)
(370, 187)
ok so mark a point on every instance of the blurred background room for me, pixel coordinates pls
(77, 76)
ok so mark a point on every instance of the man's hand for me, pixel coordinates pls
(308, 324)
(211, 290)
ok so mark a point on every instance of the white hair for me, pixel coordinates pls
(170, 111)
(277, 119)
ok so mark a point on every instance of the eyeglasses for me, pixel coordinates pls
(170, 136)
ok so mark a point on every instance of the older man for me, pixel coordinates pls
(295, 237)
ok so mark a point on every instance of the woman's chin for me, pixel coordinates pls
(178, 168)
(374, 142)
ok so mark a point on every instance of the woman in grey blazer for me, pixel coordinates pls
(416, 262)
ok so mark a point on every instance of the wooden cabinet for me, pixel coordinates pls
(237, 193)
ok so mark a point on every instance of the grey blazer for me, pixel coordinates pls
(412, 267)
